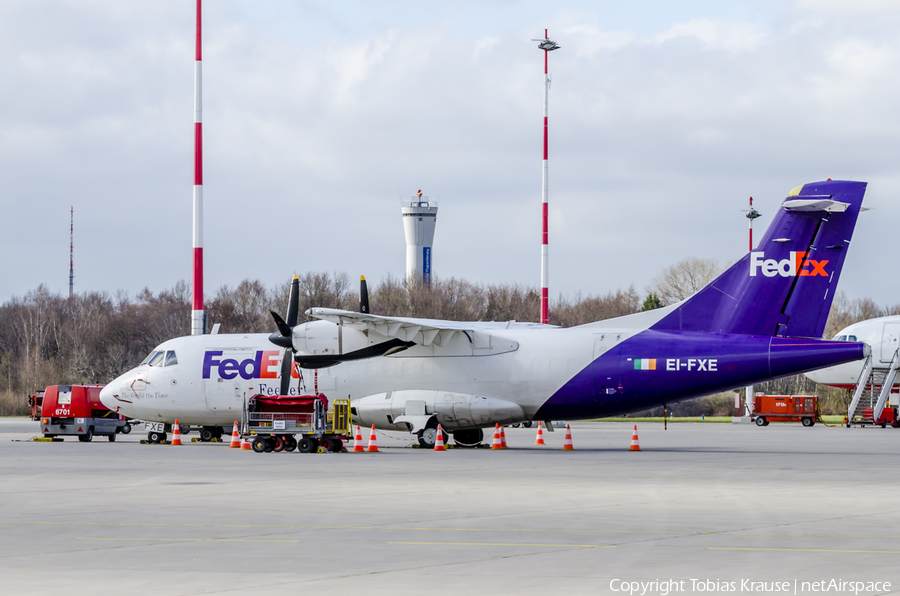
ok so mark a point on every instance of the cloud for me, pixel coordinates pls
(656, 140)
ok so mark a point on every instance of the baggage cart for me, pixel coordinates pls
(288, 422)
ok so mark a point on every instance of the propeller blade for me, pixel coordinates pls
(283, 336)
(293, 302)
(363, 295)
(287, 361)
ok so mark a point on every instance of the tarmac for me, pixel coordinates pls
(715, 508)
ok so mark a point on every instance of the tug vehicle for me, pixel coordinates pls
(76, 410)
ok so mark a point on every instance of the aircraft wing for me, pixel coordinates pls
(424, 332)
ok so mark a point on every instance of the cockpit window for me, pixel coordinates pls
(171, 360)
(148, 358)
(158, 359)
(845, 338)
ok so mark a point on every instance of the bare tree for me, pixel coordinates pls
(684, 279)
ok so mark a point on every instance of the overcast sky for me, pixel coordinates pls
(319, 116)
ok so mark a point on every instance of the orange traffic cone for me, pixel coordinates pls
(634, 441)
(373, 441)
(568, 446)
(235, 438)
(539, 440)
(176, 435)
(439, 440)
(357, 441)
(502, 437)
(245, 444)
(496, 442)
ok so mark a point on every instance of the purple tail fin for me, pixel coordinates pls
(786, 285)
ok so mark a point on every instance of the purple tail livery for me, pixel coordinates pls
(759, 320)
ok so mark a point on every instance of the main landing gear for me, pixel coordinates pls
(427, 437)
(208, 433)
(471, 437)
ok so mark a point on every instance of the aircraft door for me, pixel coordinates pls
(223, 396)
(889, 341)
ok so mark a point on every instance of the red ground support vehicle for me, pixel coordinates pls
(35, 401)
(75, 410)
(785, 408)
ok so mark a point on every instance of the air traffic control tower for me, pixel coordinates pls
(419, 217)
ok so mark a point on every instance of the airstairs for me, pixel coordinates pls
(873, 391)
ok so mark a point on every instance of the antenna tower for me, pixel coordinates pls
(71, 251)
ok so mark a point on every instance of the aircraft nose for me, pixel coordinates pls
(107, 395)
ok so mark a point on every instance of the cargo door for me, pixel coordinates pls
(223, 397)
(889, 341)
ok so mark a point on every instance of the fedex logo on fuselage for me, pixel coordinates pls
(796, 264)
(265, 364)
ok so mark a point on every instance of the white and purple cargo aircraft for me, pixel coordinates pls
(761, 319)
(882, 334)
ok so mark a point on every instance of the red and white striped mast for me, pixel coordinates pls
(750, 392)
(548, 46)
(197, 318)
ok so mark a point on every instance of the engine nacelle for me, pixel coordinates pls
(323, 337)
(412, 409)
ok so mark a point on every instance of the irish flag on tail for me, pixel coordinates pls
(645, 364)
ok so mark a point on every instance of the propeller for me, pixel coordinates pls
(283, 337)
(363, 295)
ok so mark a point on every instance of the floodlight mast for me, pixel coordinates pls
(750, 393)
(751, 215)
(548, 46)
(198, 324)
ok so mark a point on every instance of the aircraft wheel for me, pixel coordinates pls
(807, 421)
(307, 445)
(326, 443)
(428, 436)
(290, 443)
(156, 438)
(270, 445)
(337, 445)
(527, 424)
(207, 434)
(761, 421)
(259, 444)
(471, 437)
(278, 444)
(126, 429)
